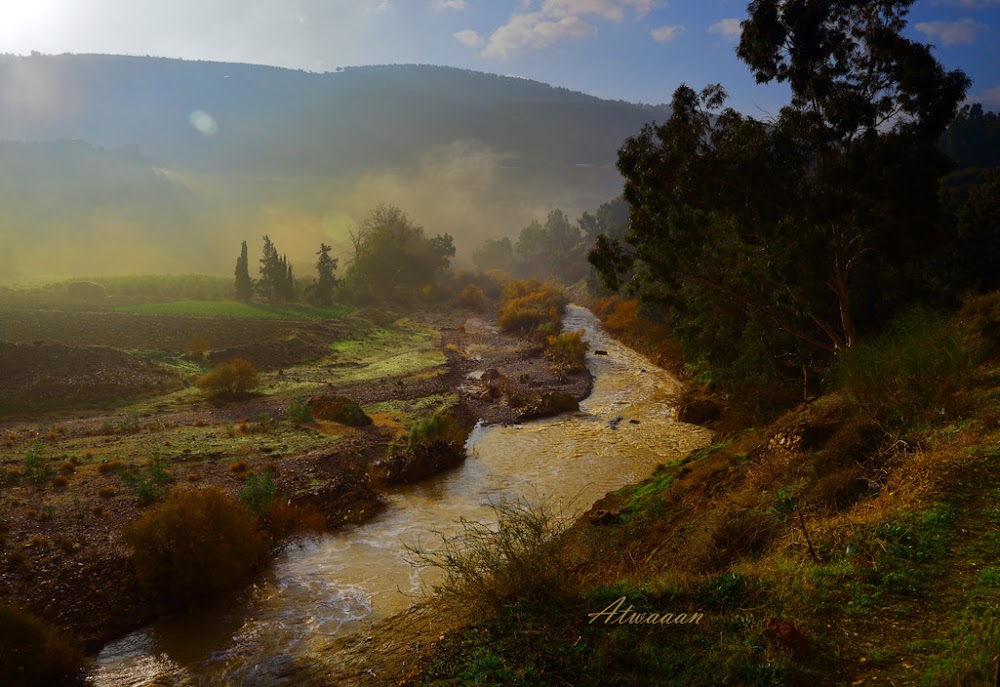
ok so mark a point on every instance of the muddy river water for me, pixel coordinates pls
(340, 583)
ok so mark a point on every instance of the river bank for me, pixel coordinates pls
(64, 558)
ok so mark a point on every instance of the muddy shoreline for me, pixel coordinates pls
(68, 563)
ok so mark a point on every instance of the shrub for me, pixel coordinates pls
(440, 427)
(299, 410)
(33, 653)
(285, 519)
(36, 468)
(196, 347)
(486, 567)
(258, 492)
(472, 297)
(911, 373)
(233, 378)
(569, 349)
(195, 544)
(527, 305)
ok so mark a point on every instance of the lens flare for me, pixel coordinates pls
(204, 123)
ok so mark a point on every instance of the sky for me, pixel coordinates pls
(634, 50)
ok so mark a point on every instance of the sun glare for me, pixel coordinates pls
(20, 20)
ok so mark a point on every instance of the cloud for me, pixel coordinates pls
(469, 38)
(728, 27)
(989, 97)
(610, 10)
(556, 21)
(665, 34)
(960, 32)
(442, 5)
(534, 31)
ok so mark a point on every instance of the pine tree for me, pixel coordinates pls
(244, 285)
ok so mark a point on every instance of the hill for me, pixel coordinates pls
(120, 164)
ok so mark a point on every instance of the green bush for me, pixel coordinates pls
(36, 468)
(195, 544)
(258, 492)
(234, 378)
(33, 653)
(910, 374)
(299, 410)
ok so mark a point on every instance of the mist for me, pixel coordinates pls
(194, 222)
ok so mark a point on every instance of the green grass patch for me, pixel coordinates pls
(238, 310)
(405, 349)
(967, 656)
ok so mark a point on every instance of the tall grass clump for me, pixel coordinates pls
(911, 374)
(148, 483)
(486, 567)
(195, 544)
(233, 378)
(33, 653)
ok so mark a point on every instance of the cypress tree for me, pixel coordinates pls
(244, 285)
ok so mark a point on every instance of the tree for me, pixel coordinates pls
(791, 235)
(244, 285)
(392, 256)
(549, 250)
(276, 283)
(322, 289)
(494, 254)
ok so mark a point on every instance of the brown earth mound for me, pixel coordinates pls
(46, 377)
(340, 409)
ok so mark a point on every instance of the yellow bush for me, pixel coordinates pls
(196, 543)
(233, 378)
(531, 307)
(569, 349)
(472, 297)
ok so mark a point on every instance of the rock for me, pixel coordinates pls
(491, 374)
(605, 517)
(613, 422)
(633, 422)
(551, 403)
(699, 410)
(421, 462)
(600, 352)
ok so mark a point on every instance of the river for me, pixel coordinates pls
(339, 583)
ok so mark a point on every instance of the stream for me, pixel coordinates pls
(342, 582)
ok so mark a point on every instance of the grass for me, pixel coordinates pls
(239, 310)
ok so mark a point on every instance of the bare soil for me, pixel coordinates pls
(61, 549)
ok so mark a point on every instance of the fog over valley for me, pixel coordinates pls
(114, 165)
